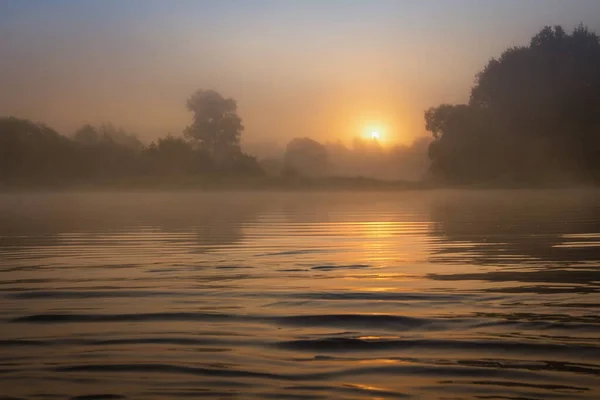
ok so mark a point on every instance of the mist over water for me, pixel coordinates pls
(425, 295)
(253, 200)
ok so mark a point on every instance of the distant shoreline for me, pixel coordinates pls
(226, 184)
(273, 184)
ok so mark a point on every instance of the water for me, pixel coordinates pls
(432, 295)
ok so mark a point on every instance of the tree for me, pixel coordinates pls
(532, 115)
(86, 135)
(216, 127)
(34, 153)
(175, 156)
(120, 137)
(458, 144)
(107, 152)
(306, 157)
(89, 135)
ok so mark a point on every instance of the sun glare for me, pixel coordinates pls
(375, 129)
(374, 132)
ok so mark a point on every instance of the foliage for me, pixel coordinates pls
(34, 155)
(532, 116)
(107, 133)
(216, 127)
(171, 156)
(33, 152)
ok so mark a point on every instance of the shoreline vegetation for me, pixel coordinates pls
(531, 122)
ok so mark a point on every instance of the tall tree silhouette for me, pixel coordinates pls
(532, 115)
(216, 127)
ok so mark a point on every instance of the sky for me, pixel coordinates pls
(326, 69)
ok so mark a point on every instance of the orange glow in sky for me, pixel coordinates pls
(296, 69)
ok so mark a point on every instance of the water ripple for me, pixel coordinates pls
(432, 295)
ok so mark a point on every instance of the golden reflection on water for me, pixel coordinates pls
(365, 387)
(376, 295)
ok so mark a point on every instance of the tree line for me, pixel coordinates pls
(532, 116)
(35, 154)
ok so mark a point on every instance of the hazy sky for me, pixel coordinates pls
(297, 68)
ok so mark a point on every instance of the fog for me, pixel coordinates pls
(296, 68)
(106, 93)
(299, 199)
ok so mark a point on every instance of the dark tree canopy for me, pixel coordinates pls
(532, 117)
(33, 152)
(173, 156)
(216, 127)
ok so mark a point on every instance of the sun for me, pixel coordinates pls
(374, 131)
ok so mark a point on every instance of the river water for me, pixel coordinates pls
(424, 295)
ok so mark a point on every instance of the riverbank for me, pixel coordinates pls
(271, 184)
(223, 184)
